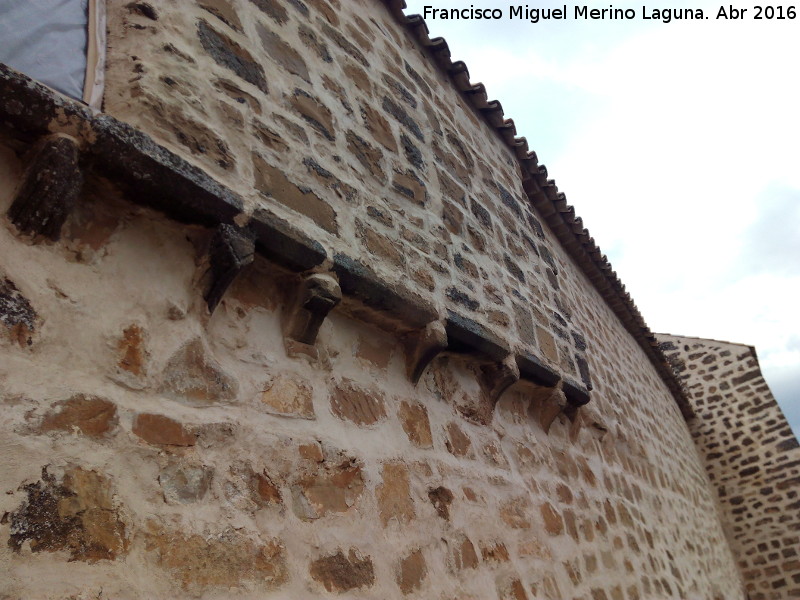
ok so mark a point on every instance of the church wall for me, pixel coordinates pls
(157, 450)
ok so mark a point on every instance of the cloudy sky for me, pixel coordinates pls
(679, 145)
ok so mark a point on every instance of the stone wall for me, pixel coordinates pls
(752, 457)
(155, 448)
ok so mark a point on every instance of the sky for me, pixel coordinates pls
(679, 145)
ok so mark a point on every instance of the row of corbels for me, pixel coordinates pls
(52, 183)
(317, 294)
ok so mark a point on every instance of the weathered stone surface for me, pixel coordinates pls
(458, 443)
(514, 513)
(441, 498)
(340, 573)
(283, 53)
(274, 9)
(230, 250)
(194, 377)
(16, 313)
(160, 430)
(49, 189)
(379, 127)
(288, 397)
(553, 523)
(354, 403)
(412, 572)
(464, 555)
(408, 185)
(274, 183)
(231, 55)
(92, 416)
(402, 117)
(366, 154)
(77, 515)
(131, 350)
(414, 419)
(315, 113)
(225, 560)
(224, 11)
(330, 487)
(394, 495)
(184, 483)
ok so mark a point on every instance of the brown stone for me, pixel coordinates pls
(231, 55)
(184, 483)
(273, 182)
(514, 513)
(351, 402)
(270, 138)
(410, 187)
(379, 127)
(332, 487)
(161, 430)
(311, 452)
(340, 573)
(227, 560)
(547, 345)
(193, 376)
(223, 10)
(383, 247)
(366, 154)
(315, 113)
(553, 523)
(288, 397)
(496, 552)
(441, 498)
(130, 349)
(457, 442)
(282, 53)
(464, 555)
(77, 515)
(264, 490)
(92, 416)
(412, 572)
(414, 419)
(394, 495)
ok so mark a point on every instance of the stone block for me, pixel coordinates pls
(162, 431)
(92, 416)
(394, 495)
(341, 573)
(362, 406)
(288, 397)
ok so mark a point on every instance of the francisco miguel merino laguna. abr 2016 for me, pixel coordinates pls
(534, 15)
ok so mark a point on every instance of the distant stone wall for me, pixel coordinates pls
(752, 457)
(155, 448)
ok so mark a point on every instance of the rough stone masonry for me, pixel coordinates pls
(316, 324)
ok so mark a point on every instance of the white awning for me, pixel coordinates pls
(60, 43)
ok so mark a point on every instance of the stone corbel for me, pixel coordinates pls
(231, 249)
(550, 404)
(316, 296)
(495, 378)
(49, 188)
(422, 347)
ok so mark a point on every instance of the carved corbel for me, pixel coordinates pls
(496, 378)
(49, 188)
(422, 347)
(231, 250)
(550, 407)
(317, 295)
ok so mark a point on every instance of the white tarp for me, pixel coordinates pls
(49, 40)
